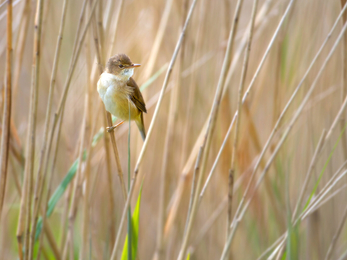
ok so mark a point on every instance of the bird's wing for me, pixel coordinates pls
(136, 96)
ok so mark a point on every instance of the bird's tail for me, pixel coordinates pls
(141, 126)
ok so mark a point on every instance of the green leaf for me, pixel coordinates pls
(135, 231)
(58, 193)
(188, 256)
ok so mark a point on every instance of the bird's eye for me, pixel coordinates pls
(121, 66)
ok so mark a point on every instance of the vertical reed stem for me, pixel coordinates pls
(5, 137)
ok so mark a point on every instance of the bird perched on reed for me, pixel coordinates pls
(120, 93)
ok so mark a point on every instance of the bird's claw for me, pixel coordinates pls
(110, 129)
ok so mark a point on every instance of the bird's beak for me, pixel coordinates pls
(134, 65)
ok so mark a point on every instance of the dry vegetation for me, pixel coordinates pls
(246, 151)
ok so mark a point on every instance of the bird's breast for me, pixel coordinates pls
(114, 94)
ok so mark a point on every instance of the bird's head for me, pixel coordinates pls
(121, 66)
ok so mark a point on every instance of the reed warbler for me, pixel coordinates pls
(120, 93)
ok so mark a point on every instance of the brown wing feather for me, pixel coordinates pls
(136, 96)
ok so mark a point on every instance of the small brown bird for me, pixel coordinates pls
(120, 93)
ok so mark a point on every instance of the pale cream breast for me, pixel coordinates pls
(114, 92)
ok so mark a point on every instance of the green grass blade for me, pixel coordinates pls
(135, 228)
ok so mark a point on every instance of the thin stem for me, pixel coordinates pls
(208, 179)
(211, 126)
(41, 179)
(239, 107)
(125, 210)
(164, 171)
(309, 172)
(336, 236)
(187, 169)
(25, 208)
(129, 208)
(158, 39)
(165, 84)
(344, 83)
(238, 215)
(193, 189)
(5, 137)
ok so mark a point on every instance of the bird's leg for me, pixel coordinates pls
(111, 128)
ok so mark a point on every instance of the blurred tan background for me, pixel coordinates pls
(193, 82)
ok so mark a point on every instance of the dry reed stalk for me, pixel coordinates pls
(159, 251)
(100, 61)
(25, 208)
(191, 159)
(344, 84)
(165, 84)
(193, 188)
(217, 158)
(21, 40)
(79, 28)
(280, 253)
(328, 198)
(309, 210)
(230, 196)
(64, 237)
(337, 119)
(337, 234)
(260, 22)
(309, 172)
(100, 28)
(278, 248)
(77, 190)
(210, 127)
(44, 216)
(208, 224)
(115, 27)
(157, 42)
(279, 240)
(86, 197)
(46, 229)
(41, 179)
(109, 15)
(116, 155)
(72, 210)
(313, 205)
(75, 54)
(172, 62)
(15, 175)
(323, 140)
(5, 137)
(181, 82)
(76, 51)
(106, 136)
(239, 106)
(109, 175)
(192, 84)
(79, 174)
(343, 256)
(238, 215)
(169, 138)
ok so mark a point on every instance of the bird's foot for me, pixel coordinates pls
(111, 128)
